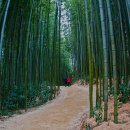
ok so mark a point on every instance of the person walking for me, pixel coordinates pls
(68, 80)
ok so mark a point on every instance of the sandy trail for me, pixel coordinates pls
(60, 114)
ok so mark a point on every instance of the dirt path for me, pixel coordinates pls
(63, 113)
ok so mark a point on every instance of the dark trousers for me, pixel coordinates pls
(68, 83)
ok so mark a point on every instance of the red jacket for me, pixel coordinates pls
(68, 80)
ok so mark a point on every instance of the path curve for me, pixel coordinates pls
(63, 113)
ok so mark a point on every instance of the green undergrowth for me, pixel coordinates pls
(15, 100)
(123, 92)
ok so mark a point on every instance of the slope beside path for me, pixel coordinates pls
(63, 113)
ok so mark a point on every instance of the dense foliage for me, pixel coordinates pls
(32, 49)
(101, 48)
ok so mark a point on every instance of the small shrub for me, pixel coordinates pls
(124, 92)
(88, 127)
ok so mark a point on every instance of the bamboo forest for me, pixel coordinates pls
(63, 59)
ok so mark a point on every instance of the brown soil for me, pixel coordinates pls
(123, 119)
(66, 112)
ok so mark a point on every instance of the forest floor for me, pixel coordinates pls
(123, 118)
(66, 112)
